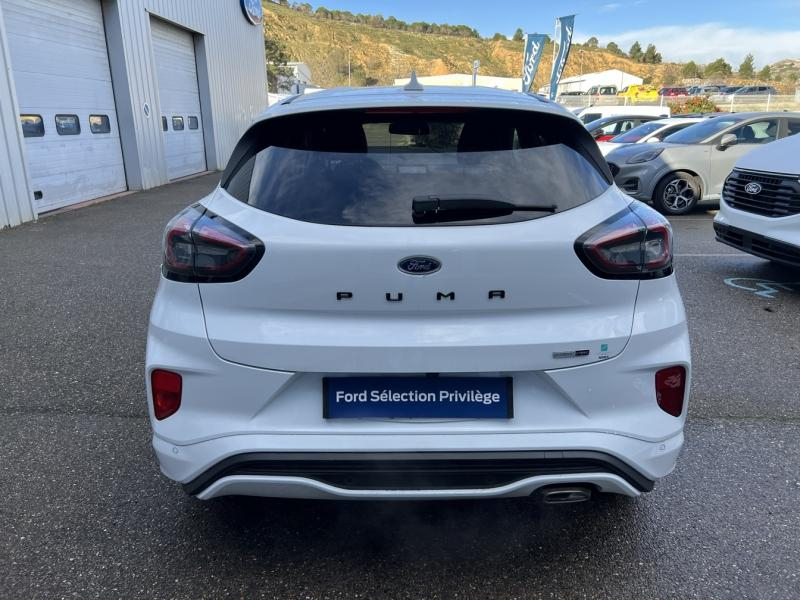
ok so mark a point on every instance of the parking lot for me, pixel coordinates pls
(86, 514)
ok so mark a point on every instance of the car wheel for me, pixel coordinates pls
(677, 194)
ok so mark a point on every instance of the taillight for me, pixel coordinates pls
(604, 138)
(202, 247)
(166, 387)
(635, 243)
(670, 388)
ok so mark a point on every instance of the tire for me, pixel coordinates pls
(677, 194)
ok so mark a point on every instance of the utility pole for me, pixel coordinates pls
(349, 79)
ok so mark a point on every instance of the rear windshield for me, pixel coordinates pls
(365, 168)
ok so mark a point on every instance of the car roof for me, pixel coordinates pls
(676, 120)
(402, 97)
(613, 118)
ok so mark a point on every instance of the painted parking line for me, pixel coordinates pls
(717, 255)
(763, 288)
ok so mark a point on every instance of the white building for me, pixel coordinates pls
(301, 76)
(465, 79)
(582, 83)
(102, 96)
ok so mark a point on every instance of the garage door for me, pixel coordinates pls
(63, 82)
(179, 97)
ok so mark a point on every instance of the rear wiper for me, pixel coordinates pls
(438, 209)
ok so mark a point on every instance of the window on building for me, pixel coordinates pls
(99, 124)
(32, 125)
(194, 123)
(164, 124)
(68, 125)
(177, 123)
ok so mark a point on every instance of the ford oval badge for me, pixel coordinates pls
(419, 265)
(753, 188)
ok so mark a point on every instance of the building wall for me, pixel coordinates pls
(16, 195)
(231, 76)
(231, 79)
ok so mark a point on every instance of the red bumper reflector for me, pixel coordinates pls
(166, 387)
(670, 388)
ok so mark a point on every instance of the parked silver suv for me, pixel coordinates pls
(689, 167)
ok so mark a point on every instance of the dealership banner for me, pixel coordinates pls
(564, 27)
(534, 48)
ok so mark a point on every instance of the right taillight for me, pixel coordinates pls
(635, 243)
(202, 247)
(670, 388)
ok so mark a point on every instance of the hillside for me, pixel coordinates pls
(378, 56)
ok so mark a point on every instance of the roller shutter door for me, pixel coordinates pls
(63, 82)
(182, 127)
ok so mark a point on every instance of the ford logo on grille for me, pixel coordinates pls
(419, 265)
(753, 188)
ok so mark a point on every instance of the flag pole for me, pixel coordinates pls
(553, 66)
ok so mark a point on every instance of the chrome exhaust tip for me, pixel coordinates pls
(566, 495)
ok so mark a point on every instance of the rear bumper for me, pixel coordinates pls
(758, 245)
(415, 471)
(231, 410)
(500, 465)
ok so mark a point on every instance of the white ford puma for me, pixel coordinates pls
(407, 293)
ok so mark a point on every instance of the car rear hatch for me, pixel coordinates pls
(350, 283)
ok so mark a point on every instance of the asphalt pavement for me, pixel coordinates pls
(86, 514)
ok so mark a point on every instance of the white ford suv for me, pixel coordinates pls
(408, 293)
(760, 208)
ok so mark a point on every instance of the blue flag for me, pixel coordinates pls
(564, 27)
(534, 47)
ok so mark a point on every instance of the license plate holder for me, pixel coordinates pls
(417, 397)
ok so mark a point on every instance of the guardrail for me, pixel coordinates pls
(727, 103)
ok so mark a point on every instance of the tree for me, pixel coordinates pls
(277, 58)
(592, 42)
(614, 49)
(691, 70)
(670, 76)
(651, 56)
(518, 35)
(636, 52)
(719, 67)
(746, 69)
(765, 74)
(497, 37)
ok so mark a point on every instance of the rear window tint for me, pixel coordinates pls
(364, 168)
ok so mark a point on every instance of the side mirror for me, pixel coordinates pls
(727, 140)
(652, 140)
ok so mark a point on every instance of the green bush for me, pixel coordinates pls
(695, 104)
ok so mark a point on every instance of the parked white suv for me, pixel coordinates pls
(406, 293)
(760, 207)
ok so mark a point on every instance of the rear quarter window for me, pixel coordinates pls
(364, 168)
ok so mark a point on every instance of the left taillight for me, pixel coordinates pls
(202, 247)
(166, 388)
(671, 389)
(635, 243)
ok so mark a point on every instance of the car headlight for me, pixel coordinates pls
(645, 156)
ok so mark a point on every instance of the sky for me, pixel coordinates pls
(699, 30)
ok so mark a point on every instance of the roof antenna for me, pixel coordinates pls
(413, 84)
